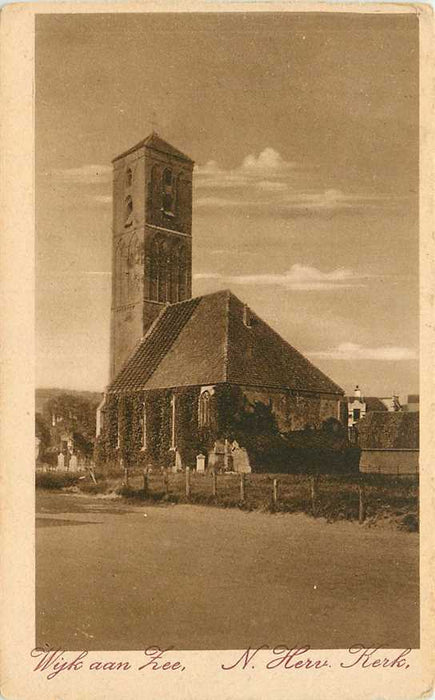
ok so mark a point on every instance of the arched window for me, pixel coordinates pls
(128, 211)
(163, 273)
(183, 200)
(124, 284)
(182, 274)
(128, 177)
(135, 266)
(204, 410)
(153, 198)
(154, 270)
(121, 274)
(168, 192)
(174, 275)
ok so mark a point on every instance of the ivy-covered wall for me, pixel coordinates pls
(236, 413)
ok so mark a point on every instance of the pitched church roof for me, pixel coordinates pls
(157, 144)
(206, 340)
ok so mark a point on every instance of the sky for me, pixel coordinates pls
(304, 131)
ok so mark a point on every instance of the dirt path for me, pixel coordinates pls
(206, 578)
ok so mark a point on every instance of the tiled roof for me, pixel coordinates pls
(155, 142)
(155, 345)
(205, 341)
(258, 356)
(390, 430)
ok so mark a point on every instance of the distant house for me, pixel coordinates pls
(389, 442)
(355, 407)
(391, 403)
(413, 403)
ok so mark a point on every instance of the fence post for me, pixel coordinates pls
(126, 476)
(314, 479)
(242, 487)
(214, 483)
(166, 481)
(275, 493)
(362, 505)
(187, 482)
(145, 481)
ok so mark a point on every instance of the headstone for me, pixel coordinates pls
(61, 461)
(240, 459)
(178, 463)
(73, 463)
(200, 463)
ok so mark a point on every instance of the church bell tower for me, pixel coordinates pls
(152, 240)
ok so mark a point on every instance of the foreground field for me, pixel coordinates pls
(371, 497)
(116, 576)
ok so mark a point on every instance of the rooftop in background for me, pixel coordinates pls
(389, 430)
(373, 403)
(414, 398)
(157, 144)
(213, 339)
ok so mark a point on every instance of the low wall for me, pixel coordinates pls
(395, 462)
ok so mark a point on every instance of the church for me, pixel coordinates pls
(186, 374)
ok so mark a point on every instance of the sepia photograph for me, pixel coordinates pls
(227, 331)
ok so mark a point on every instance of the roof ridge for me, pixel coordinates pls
(148, 141)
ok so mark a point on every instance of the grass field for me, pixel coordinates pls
(335, 497)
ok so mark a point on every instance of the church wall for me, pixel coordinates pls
(295, 411)
(292, 413)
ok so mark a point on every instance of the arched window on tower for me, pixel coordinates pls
(153, 201)
(183, 200)
(204, 410)
(182, 274)
(135, 267)
(119, 257)
(154, 270)
(123, 274)
(168, 192)
(174, 271)
(128, 211)
(128, 178)
(163, 273)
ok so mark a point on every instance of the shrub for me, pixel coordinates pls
(55, 480)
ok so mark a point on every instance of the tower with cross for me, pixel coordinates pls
(152, 239)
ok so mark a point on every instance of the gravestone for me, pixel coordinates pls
(200, 463)
(61, 461)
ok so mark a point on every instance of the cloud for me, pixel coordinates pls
(268, 164)
(269, 184)
(88, 174)
(298, 278)
(353, 351)
(268, 161)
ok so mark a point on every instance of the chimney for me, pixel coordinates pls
(247, 317)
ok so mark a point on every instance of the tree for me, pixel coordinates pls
(42, 431)
(75, 415)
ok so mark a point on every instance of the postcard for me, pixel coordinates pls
(217, 374)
